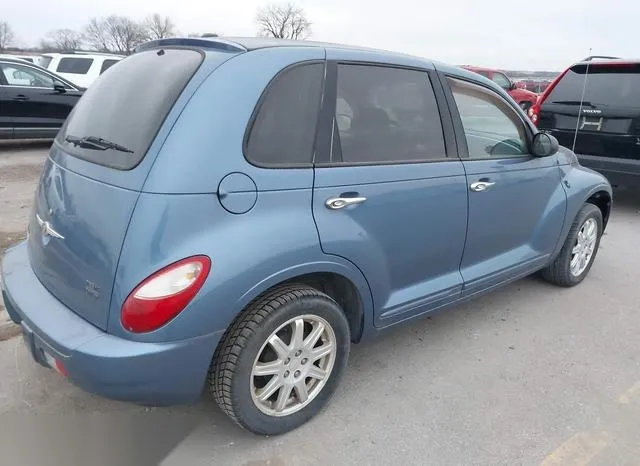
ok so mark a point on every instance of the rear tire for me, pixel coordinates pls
(579, 250)
(282, 335)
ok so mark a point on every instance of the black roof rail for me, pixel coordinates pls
(605, 57)
(215, 43)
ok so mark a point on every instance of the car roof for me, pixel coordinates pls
(608, 61)
(73, 53)
(248, 44)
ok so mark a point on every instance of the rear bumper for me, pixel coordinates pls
(619, 172)
(146, 373)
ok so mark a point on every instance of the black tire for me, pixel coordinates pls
(559, 272)
(230, 376)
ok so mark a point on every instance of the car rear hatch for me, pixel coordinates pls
(605, 121)
(92, 179)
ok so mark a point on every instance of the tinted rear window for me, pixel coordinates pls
(127, 106)
(74, 65)
(615, 85)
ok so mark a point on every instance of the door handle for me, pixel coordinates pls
(335, 203)
(480, 186)
(21, 97)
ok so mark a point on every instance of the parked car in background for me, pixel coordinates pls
(34, 102)
(81, 68)
(27, 58)
(352, 190)
(536, 86)
(523, 97)
(604, 125)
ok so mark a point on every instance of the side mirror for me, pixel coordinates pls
(544, 145)
(59, 87)
(513, 86)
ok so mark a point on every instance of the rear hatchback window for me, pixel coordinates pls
(124, 109)
(74, 65)
(615, 85)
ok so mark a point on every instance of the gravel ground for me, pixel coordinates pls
(529, 375)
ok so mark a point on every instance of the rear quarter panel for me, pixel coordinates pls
(179, 214)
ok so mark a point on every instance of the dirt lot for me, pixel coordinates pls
(19, 170)
(529, 375)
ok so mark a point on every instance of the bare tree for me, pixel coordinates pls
(63, 39)
(158, 27)
(96, 35)
(285, 21)
(7, 37)
(117, 34)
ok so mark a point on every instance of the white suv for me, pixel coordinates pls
(81, 68)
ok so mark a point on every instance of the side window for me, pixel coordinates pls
(492, 128)
(107, 64)
(502, 81)
(386, 115)
(25, 76)
(284, 129)
(74, 65)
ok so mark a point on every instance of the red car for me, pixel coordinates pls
(523, 97)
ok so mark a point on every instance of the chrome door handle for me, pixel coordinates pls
(480, 186)
(335, 203)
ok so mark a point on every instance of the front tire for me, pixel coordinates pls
(579, 250)
(281, 360)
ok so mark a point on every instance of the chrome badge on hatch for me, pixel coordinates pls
(46, 229)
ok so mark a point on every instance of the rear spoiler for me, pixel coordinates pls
(213, 43)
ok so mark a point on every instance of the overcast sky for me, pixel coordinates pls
(512, 34)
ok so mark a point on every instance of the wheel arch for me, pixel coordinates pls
(344, 283)
(601, 199)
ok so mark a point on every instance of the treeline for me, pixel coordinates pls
(121, 34)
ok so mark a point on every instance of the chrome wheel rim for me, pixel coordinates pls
(584, 247)
(293, 365)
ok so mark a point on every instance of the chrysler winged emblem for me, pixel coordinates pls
(46, 229)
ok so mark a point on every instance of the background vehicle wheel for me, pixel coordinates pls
(525, 105)
(579, 250)
(281, 360)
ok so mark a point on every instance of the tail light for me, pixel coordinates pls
(534, 110)
(165, 294)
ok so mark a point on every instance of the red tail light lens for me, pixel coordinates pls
(165, 294)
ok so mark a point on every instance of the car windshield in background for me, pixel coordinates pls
(74, 65)
(608, 85)
(126, 107)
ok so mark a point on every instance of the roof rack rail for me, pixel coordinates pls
(605, 57)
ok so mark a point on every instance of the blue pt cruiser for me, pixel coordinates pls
(231, 215)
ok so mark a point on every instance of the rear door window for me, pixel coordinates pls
(386, 115)
(74, 65)
(608, 85)
(147, 85)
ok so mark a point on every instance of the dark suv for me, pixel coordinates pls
(603, 125)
